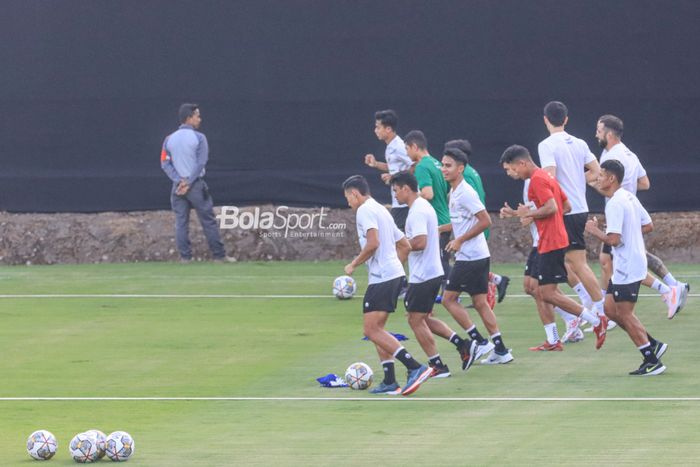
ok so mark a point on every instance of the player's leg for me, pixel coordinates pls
(625, 299)
(546, 313)
(576, 261)
(420, 299)
(679, 289)
(181, 208)
(553, 272)
(605, 259)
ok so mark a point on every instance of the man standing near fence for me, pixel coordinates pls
(183, 158)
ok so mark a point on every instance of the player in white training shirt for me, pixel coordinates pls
(609, 130)
(385, 126)
(426, 274)
(626, 220)
(573, 164)
(470, 272)
(383, 249)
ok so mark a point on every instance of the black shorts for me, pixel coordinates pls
(382, 296)
(624, 292)
(607, 249)
(400, 215)
(420, 297)
(469, 276)
(552, 269)
(575, 226)
(532, 267)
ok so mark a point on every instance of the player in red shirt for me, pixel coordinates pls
(550, 204)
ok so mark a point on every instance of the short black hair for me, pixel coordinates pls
(613, 124)
(357, 182)
(405, 178)
(457, 155)
(513, 153)
(462, 144)
(556, 112)
(416, 137)
(387, 117)
(186, 111)
(615, 167)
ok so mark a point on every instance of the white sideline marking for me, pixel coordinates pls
(356, 399)
(223, 296)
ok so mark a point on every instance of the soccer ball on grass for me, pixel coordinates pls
(359, 376)
(344, 287)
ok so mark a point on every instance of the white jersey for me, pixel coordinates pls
(384, 264)
(625, 215)
(569, 155)
(464, 205)
(425, 264)
(533, 227)
(630, 161)
(397, 160)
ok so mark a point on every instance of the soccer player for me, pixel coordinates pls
(470, 272)
(432, 186)
(609, 130)
(426, 276)
(551, 204)
(624, 214)
(531, 282)
(472, 177)
(382, 245)
(572, 163)
(385, 125)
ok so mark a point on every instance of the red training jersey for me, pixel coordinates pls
(544, 187)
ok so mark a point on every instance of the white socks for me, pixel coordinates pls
(670, 280)
(496, 278)
(565, 315)
(591, 317)
(552, 334)
(660, 287)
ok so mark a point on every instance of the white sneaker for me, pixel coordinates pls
(482, 350)
(495, 359)
(571, 327)
(671, 299)
(576, 336)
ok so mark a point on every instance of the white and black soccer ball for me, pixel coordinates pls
(120, 446)
(344, 287)
(359, 376)
(101, 442)
(83, 448)
(42, 445)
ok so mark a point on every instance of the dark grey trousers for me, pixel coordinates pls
(198, 198)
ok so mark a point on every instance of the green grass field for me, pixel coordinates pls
(101, 347)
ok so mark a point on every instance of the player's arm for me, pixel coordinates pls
(647, 228)
(567, 206)
(403, 248)
(593, 169)
(643, 183)
(483, 223)
(445, 228)
(611, 238)
(370, 247)
(371, 161)
(418, 242)
(549, 208)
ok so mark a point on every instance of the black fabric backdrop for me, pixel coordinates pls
(288, 89)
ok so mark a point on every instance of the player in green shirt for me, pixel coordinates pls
(432, 187)
(472, 177)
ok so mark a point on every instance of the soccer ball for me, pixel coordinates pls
(83, 448)
(120, 446)
(41, 445)
(344, 287)
(101, 441)
(359, 376)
